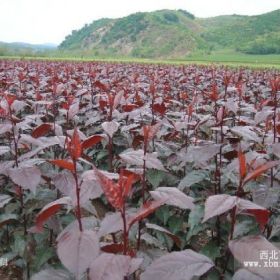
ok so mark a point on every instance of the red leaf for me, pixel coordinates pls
(149, 132)
(261, 215)
(152, 88)
(147, 209)
(190, 110)
(65, 105)
(230, 155)
(129, 107)
(10, 99)
(38, 96)
(126, 182)
(214, 94)
(159, 108)
(127, 173)
(139, 101)
(91, 141)
(259, 170)
(41, 130)
(137, 140)
(111, 190)
(62, 163)
(173, 136)
(75, 146)
(49, 210)
(102, 104)
(113, 248)
(100, 85)
(42, 217)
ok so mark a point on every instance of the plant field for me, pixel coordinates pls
(114, 171)
(225, 57)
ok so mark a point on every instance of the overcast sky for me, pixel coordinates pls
(44, 21)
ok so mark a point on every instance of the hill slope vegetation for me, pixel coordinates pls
(176, 34)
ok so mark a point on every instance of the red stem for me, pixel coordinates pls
(125, 232)
(78, 212)
(110, 152)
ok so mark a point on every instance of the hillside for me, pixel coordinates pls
(19, 48)
(176, 34)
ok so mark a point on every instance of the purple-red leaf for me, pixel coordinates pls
(178, 265)
(77, 249)
(248, 249)
(26, 177)
(110, 224)
(110, 127)
(111, 266)
(260, 170)
(219, 204)
(173, 196)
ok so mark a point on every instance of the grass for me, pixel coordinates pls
(225, 57)
(235, 57)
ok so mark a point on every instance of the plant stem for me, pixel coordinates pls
(274, 134)
(110, 152)
(78, 211)
(125, 233)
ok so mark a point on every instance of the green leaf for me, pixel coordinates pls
(165, 239)
(195, 230)
(7, 218)
(194, 221)
(193, 177)
(155, 177)
(19, 245)
(175, 224)
(43, 254)
(213, 275)
(101, 155)
(163, 214)
(196, 216)
(211, 250)
(4, 199)
(244, 226)
(9, 256)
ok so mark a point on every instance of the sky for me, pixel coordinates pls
(49, 21)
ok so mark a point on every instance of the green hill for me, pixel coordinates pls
(25, 49)
(176, 34)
